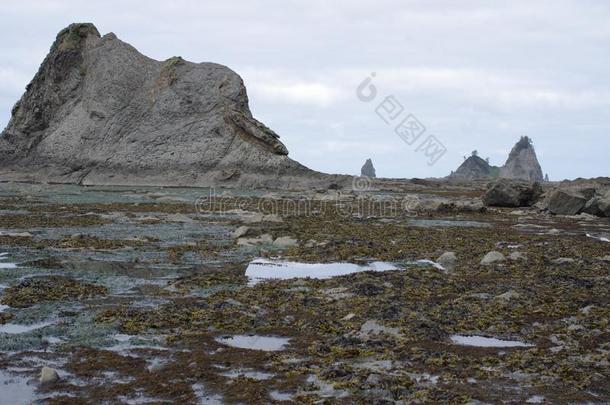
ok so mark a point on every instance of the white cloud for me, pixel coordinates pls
(311, 93)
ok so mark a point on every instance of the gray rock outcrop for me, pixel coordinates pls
(368, 169)
(99, 112)
(522, 163)
(512, 193)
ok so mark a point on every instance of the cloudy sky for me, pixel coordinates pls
(476, 74)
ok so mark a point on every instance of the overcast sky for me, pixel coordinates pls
(476, 74)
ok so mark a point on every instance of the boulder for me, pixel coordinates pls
(517, 256)
(48, 375)
(448, 260)
(241, 231)
(565, 202)
(264, 239)
(599, 204)
(492, 257)
(508, 296)
(284, 242)
(507, 193)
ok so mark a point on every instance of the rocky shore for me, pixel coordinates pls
(123, 295)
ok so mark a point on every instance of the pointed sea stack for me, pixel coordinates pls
(522, 163)
(368, 169)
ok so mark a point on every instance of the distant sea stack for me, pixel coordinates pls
(522, 163)
(99, 112)
(368, 169)
(474, 168)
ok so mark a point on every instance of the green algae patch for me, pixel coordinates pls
(49, 221)
(53, 288)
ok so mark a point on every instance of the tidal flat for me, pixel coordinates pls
(143, 295)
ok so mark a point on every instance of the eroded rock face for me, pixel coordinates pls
(99, 112)
(368, 169)
(522, 163)
(511, 193)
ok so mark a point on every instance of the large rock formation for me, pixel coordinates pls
(522, 163)
(474, 168)
(368, 169)
(99, 112)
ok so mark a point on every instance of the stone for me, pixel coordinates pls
(522, 163)
(98, 112)
(509, 295)
(284, 242)
(372, 327)
(599, 204)
(241, 231)
(48, 375)
(564, 260)
(507, 193)
(263, 239)
(565, 202)
(368, 169)
(373, 379)
(272, 218)
(517, 256)
(448, 260)
(492, 257)
(348, 317)
(17, 234)
(592, 207)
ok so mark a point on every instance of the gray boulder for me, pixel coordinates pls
(599, 204)
(48, 375)
(99, 112)
(566, 202)
(368, 169)
(492, 257)
(448, 260)
(507, 193)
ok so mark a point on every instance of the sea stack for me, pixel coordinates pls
(100, 113)
(368, 169)
(522, 163)
(474, 168)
